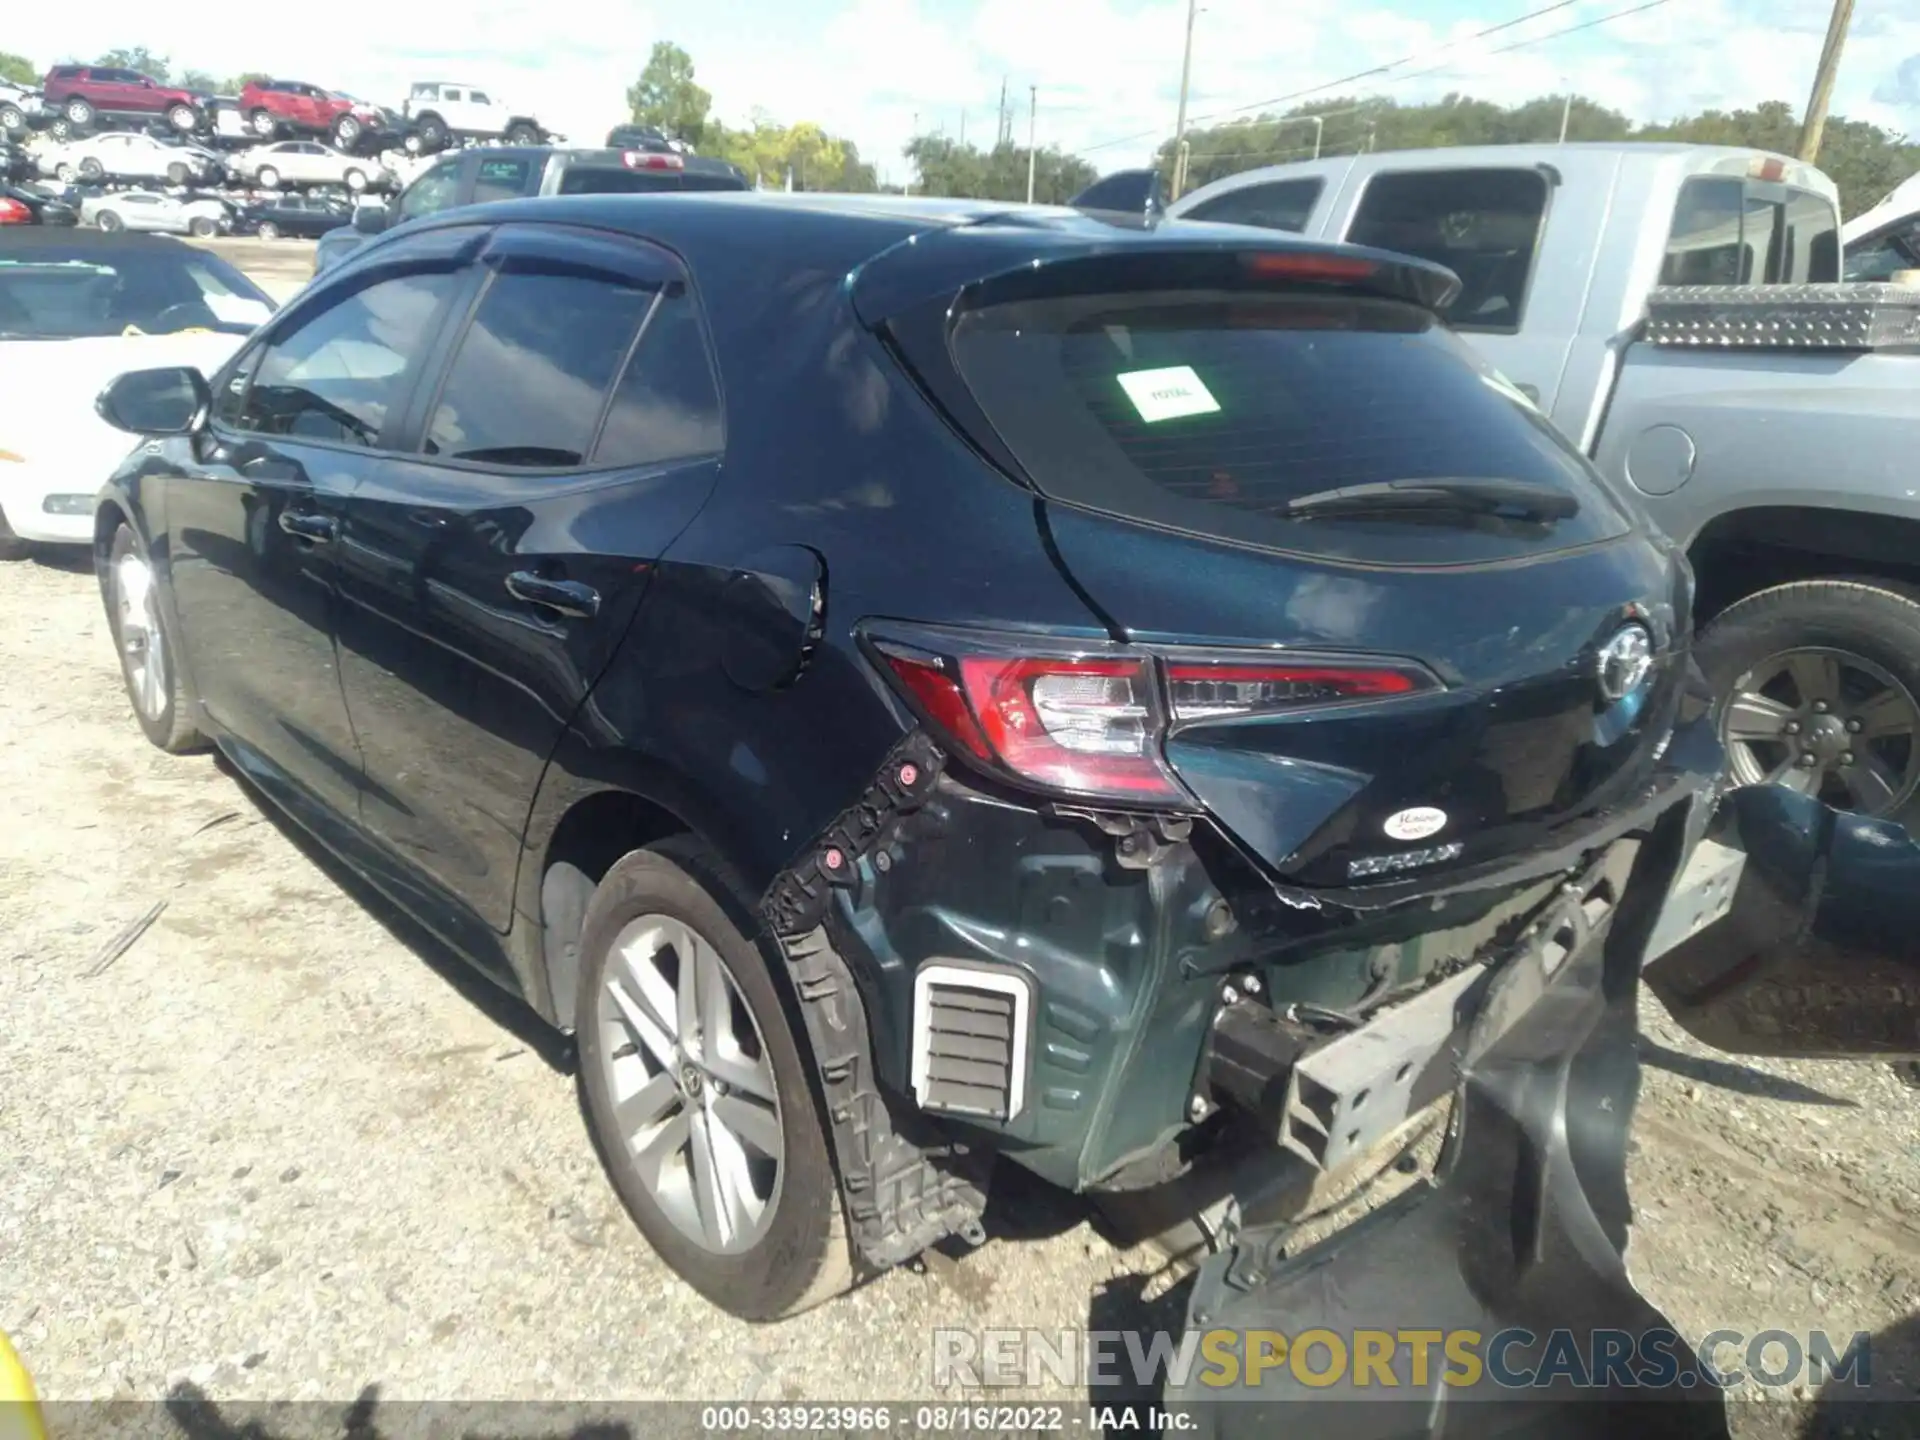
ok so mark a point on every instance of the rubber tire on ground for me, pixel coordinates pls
(92, 169)
(107, 220)
(78, 112)
(267, 230)
(183, 119)
(267, 178)
(201, 228)
(12, 547)
(172, 730)
(804, 1258)
(1872, 619)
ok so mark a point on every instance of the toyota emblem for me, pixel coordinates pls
(1624, 662)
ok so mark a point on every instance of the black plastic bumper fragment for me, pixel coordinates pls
(904, 1187)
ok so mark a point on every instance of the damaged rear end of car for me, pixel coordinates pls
(1349, 807)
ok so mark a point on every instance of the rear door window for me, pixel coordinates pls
(531, 376)
(666, 406)
(500, 180)
(1484, 225)
(1207, 410)
(1276, 205)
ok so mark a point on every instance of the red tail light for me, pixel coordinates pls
(12, 212)
(1093, 725)
(1307, 265)
(650, 160)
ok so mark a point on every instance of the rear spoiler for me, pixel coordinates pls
(1137, 193)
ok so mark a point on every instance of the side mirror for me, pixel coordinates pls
(372, 219)
(174, 400)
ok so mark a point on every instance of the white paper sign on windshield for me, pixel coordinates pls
(1168, 393)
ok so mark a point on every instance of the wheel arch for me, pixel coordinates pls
(588, 815)
(1742, 552)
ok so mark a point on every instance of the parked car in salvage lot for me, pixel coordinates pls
(76, 309)
(1643, 296)
(1078, 750)
(24, 205)
(299, 217)
(204, 217)
(124, 155)
(85, 94)
(307, 162)
(443, 110)
(270, 106)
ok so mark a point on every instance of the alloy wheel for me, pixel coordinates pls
(1829, 724)
(143, 648)
(692, 1088)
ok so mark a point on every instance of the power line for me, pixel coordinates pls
(1406, 60)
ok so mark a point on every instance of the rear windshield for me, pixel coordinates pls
(1208, 410)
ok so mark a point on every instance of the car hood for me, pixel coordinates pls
(55, 382)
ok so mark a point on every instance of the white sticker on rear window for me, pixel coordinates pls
(1168, 393)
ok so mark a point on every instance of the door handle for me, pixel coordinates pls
(318, 528)
(569, 597)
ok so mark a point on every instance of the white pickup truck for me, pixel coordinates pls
(1671, 308)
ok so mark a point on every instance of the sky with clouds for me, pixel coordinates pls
(1106, 71)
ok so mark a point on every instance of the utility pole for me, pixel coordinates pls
(963, 128)
(1566, 114)
(1180, 121)
(1033, 115)
(1003, 119)
(1815, 125)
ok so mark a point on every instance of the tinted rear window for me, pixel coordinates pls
(604, 180)
(1729, 231)
(1208, 410)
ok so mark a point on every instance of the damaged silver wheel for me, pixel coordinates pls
(692, 1088)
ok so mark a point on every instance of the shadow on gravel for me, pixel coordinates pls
(195, 1415)
(1121, 1308)
(507, 1011)
(69, 559)
(1741, 1079)
(1888, 1407)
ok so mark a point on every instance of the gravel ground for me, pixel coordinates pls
(285, 1147)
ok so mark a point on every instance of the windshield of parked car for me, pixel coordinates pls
(89, 286)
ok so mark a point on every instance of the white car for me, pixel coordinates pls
(134, 156)
(57, 161)
(17, 106)
(307, 162)
(452, 109)
(77, 309)
(145, 210)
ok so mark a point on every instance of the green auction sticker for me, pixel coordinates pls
(1168, 393)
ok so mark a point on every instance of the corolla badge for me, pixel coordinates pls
(1624, 662)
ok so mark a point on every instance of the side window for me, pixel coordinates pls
(478, 97)
(334, 377)
(1704, 244)
(1885, 256)
(1484, 225)
(230, 403)
(500, 180)
(666, 406)
(433, 192)
(1277, 205)
(530, 378)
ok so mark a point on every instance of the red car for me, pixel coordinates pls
(270, 105)
(84, 94)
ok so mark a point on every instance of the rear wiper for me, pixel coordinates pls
(1506, 499)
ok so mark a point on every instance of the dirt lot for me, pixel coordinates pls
(284, 1147)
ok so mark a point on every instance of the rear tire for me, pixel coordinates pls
(522, 134)
(356, 180)
(163, 702)
(108, 221)
(346, 132)
(201, 228)
(267, 178)
(263, 124)
(794, 1252)
(1872, 632)
(12, 119)
(267, 230)
(91, 169)
(433, 133)
(184, 119)
(64, 173)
